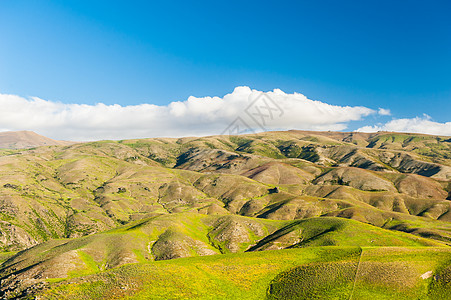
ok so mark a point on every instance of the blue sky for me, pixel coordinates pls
(377, 54)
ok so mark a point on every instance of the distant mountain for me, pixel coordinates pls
(26, 139)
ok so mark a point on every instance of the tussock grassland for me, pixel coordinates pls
(308, 273)
(101, 219)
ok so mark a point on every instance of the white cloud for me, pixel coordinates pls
(384, 112)
(193, 117)
(415, 125)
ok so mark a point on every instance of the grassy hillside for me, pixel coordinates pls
(186, 235)
(309, 273)
(58, 192)
(74, 210)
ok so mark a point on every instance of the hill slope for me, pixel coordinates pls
(73, 210)
(26, 139)
(183, 235)
(309, 273)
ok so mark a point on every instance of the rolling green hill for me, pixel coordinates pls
(308, 273)
(76, 211)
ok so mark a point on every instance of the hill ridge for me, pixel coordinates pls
(26, 139)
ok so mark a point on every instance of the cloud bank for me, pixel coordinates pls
(419, 125)
(194, 117)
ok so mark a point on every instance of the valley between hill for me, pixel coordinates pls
(352, 215)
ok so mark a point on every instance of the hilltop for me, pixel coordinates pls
(71, 211)
(26, 139)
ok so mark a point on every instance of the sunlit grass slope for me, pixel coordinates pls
(309, 273)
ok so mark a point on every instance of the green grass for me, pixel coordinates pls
(395, 273)
(5, 255)
(331, 280)
(90, 263)
(309, 273)
(229, 276)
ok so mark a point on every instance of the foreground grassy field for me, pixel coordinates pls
(188, 235)
(307, 273)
